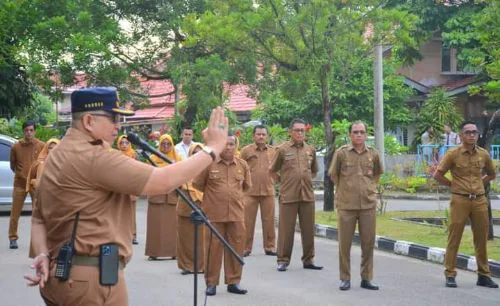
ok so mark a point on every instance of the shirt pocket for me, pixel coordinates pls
(462, 168)
(367, 167)
(214, 176)
(477, 167)
(347, 168)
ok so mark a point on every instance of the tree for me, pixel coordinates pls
(315, 44)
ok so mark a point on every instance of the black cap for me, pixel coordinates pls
(96, 99)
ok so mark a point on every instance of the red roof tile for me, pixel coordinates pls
(459, 83)
(238, 98)
(153, 113)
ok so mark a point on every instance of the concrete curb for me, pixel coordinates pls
(318, 195)
(410, 249)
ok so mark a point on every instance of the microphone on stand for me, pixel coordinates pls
(137, 141)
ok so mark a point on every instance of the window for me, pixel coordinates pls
(445, 58)
(4, 152)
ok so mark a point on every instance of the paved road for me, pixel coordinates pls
(403, 281)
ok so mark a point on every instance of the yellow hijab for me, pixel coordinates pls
(36, 169)
(195, 194)
(172, 155)
(128, 151)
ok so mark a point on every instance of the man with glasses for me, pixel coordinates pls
(295, 161)
(86, 180)
(355, 170)
(471, 169)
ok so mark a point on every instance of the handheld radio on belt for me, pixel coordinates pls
(65, 256)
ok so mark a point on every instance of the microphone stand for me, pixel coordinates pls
(197, 216)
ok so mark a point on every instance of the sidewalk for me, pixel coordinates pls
(409, 196)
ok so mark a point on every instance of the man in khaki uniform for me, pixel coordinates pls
(471, 169)
(22, 155)
(223, 184)
(295, 161)
(258, 156)
(355, 170)
(85, 176)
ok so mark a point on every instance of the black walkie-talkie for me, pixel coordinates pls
(65, 256)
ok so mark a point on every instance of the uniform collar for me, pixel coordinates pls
(464, 150)
(224, 163)
(350, 147)
(257, 148)
(292, 144)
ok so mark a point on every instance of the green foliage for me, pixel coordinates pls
(392, 145)
(414, 183)
(45, 133)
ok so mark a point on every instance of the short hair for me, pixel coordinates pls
(187, 127)
(29, 123)
(296, 120)
(357, 122)
(259, 126)
(465, 123)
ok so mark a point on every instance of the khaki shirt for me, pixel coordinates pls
(297, 166)
(223, 187)
(467, 169)
(22, 156)
(259, 160)
(87, 176)
(355, 176)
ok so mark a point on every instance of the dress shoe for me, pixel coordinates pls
(451, 283)
(345, 285)
(271, 253)
(366, 284)
(236, 288)
(246, 253)
(485, 281)
(211, 290)
(134, 241)
(282, 267)
(312, 267)
(186, 272)
(13, 244)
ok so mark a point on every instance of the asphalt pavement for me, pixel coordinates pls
(403, 280)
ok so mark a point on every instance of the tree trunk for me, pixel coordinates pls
(328, 204)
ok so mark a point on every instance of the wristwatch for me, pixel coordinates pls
(210, 152)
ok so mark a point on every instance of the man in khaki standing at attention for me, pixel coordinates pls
(296, 163)
(355, 170)
(22, 155)
(471, 169)
(258, 157)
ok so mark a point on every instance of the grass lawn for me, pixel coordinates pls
(421, 234)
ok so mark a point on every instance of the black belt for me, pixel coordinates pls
(471, 196)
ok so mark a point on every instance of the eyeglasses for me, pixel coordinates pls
(302, 131)
(115, 118)
(124, 143)
(471, 133)
(166, 144)
(358, 132)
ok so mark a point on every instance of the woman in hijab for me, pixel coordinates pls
(185, 229)
(35, 173)
(161, 230)
(126, 148)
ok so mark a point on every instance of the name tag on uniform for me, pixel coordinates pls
(289, 156)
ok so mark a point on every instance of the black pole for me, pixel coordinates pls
(197, 221)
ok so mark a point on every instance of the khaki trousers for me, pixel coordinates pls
(234, 233)
(266, 204)
(461, 208)
(83, 289)
(185, 244)
(134, 223)
(18, 197)
(286, 230)
(366, 220)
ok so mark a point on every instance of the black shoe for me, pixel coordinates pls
(211, 290)
(282, 267)
(313, 267)
(368, 285)
(235, 288)
(13, 244)
(271, 253)
(152, 258)
(186, 272)
(246, 253)
(451, 283)
(345, 285)
(134, 241)
(485, 281)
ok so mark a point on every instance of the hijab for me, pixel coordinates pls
(36, 169)
(172, 155)
(128, 151)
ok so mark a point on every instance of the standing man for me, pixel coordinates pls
(355, 170)
(182, 148)
(86, 186)
(258, 157)
(450, 138)
(295, 161)
(222, 185)
(22, 155)
(471, 169)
